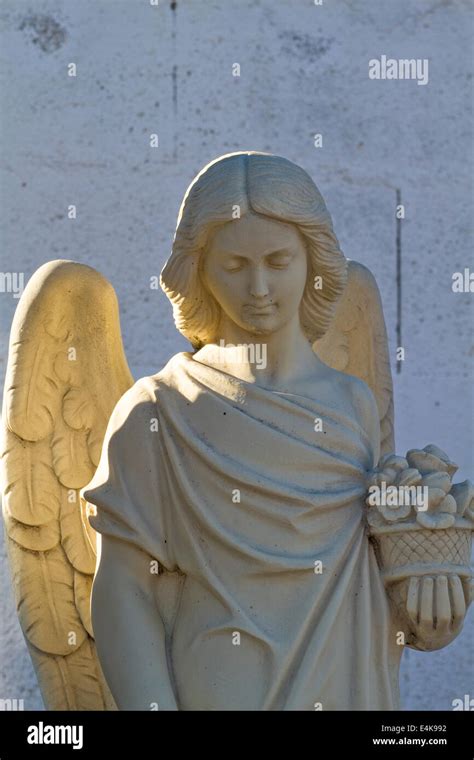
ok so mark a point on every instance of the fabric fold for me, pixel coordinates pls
(265, 517)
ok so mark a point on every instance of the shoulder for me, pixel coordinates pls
(139, 404)
(365, 405)
(360, 396)
(135, 407)
(351, 385)
(366, 412)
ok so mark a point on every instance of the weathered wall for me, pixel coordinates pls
(304, 70)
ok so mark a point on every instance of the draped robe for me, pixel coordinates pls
(282, 606)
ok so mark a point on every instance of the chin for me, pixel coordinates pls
(262, 326)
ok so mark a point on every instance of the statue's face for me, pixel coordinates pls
(256, 270)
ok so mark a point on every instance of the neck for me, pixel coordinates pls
(270, 360)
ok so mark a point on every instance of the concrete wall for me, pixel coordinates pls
(142, 69)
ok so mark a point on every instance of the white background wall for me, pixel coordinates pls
(304, 69)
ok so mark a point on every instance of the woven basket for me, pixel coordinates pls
(419, 551)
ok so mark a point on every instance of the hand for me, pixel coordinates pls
(434, 608)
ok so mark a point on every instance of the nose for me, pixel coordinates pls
(258, 286)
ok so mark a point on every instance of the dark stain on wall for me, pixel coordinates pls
(44, 31)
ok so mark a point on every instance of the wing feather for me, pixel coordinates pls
(31, 492)
(79, 549)
(36, 538)
(72, 682)
(82, 596)
(71, 461)
(44, 583)
(36, 401)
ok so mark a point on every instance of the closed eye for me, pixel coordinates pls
(279, 260)
(275, 260)
(235, 265)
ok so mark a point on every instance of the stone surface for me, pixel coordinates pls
(85, 140)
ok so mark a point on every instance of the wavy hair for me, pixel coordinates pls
(264, 184)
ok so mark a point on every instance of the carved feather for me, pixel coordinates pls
(73, 682)
(44, 591)
(74, 539)
(31, 489)
(71, 462)
(36, 538)
(30, 381)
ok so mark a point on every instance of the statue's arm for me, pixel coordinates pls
(423, 547)
(129, 629)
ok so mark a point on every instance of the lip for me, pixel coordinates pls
(262, 310)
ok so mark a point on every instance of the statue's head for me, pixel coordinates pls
(254, 240)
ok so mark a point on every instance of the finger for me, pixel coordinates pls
(443, 612)
(426, 611)
(402, 590)
(458, 603)
(412, 600)
(468, 588)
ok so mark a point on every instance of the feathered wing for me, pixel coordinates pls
(356, 343)
(66, 371)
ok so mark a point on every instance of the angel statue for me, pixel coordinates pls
(209, 537)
